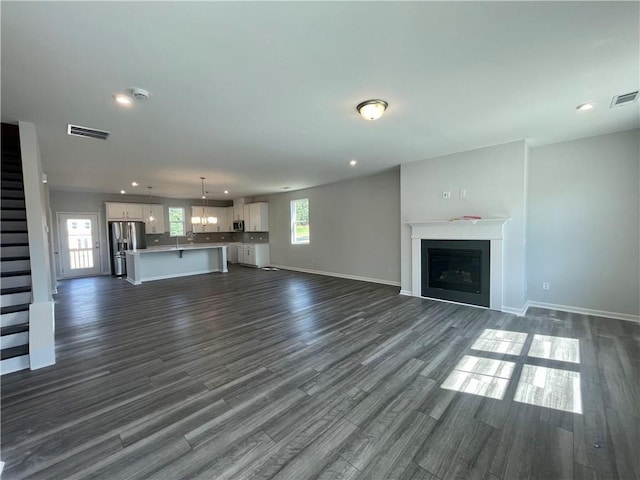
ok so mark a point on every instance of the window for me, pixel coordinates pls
(300, 221)
(176, 221)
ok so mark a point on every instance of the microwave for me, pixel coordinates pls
(238, 225)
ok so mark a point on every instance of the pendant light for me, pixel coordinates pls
(151, 217)
(204, 219)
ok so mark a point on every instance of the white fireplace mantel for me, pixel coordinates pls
(491, 229)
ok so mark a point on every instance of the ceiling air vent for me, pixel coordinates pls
(87, 132)
(625, 99)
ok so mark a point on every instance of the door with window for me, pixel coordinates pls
(79, 244)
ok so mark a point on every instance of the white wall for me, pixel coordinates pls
(494, 179)
(584, 223)
(37, 213)
(41, 310)
(353, 228)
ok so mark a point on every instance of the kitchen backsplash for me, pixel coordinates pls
(244, 237)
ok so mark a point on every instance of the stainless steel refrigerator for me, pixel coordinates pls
(124, 236)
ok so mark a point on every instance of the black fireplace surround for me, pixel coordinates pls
(456, 270)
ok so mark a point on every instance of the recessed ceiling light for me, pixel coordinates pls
(372, 109)
(122, 192)
(585, 106)
(134, 184)
(353, 162)
(226, 192)
(122, 99)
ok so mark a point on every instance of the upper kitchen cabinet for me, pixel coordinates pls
(124, 211)
(238, 212)
(258, 217)
(153, 218)
(230, 219)
(219, 213)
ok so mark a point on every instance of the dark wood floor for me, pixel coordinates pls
(274, 374)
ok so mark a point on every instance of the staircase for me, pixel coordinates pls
(15, 271)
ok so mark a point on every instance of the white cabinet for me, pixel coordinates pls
(238, 212)
(245, 216)
(258, 217)
(216, 212)
(254, 254)
(156, 225)
(221, 214)
(230, 218)
(124, 211)
(232, 252)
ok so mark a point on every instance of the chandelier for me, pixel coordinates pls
(203, 219)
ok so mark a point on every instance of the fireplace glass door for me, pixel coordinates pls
(456, 270)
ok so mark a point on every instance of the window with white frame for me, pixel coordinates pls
(176, 222)
(300, 221)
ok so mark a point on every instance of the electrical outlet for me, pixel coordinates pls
(545, 286)
(446, 194)
(463, 193)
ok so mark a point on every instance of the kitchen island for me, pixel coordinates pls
(157, 263)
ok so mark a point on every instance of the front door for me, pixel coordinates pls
(79, 244)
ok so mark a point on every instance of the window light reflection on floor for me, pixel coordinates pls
(555, 348)
(549, 387)
(480, 376)
(500, 341)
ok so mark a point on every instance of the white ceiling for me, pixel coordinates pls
(257, 96)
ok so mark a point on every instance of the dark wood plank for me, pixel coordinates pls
(261, 375)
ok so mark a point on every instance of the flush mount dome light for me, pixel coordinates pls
(372, 109)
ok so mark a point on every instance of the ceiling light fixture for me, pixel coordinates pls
(226, 192)
(353, 163)
(151, 217)
(204, 220)
(585, 106)
(135, 184)
(123, 99)
(122, 192)
(372, 109)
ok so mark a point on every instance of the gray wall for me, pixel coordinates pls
(494, 179)
(82, 202)
(584, 221)
(354, 228)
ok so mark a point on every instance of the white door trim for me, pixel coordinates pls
(98, 239)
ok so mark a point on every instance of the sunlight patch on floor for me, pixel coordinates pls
(480, 376)
(549, 387)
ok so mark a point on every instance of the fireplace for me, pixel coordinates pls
(489, 230)
(456, 270)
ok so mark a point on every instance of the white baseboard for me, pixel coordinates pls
(516, 311)
(338, 275)
(407, 293)
(584, 311)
